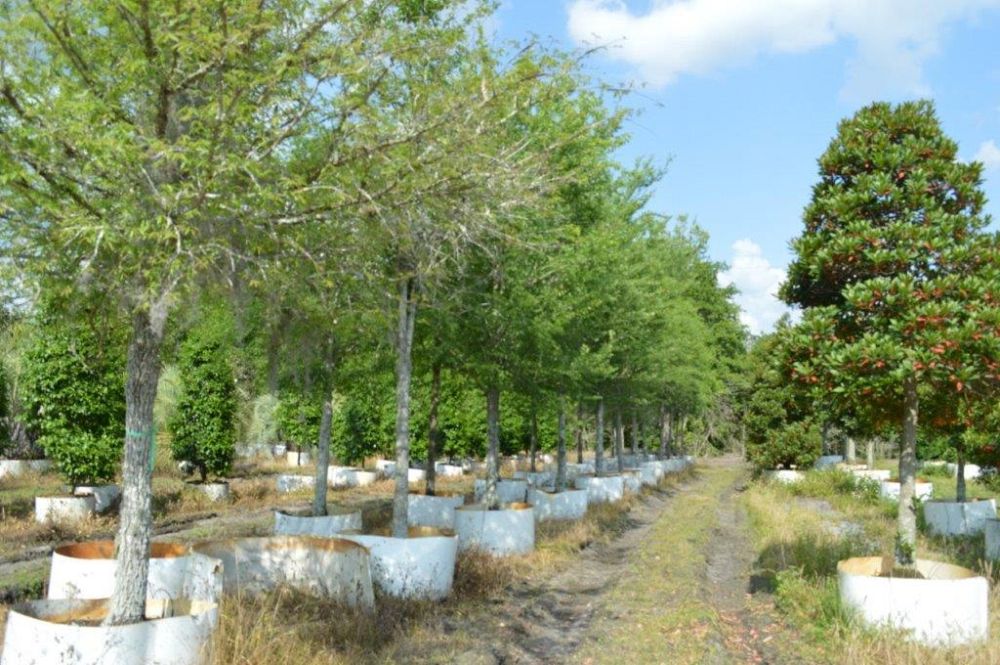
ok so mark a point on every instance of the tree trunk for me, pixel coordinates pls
(619, 440)
(128, 601)
(906, 538)
(852, 450)
(323, 458)
(599, 438)
(534, 437)
(677, 435)
(665, 434)
(960, 474)
(404, 371)
(870, 453)
(561, 451)
(579, 432)
(635, 433)
(433, 431)
(490, 498)
(642, 441)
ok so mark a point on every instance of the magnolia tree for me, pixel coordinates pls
(899, 279)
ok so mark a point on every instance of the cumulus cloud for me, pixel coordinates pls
(758, 282)
(989, 155)
(673, 38)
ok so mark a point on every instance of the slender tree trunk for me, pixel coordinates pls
(870, 453)
(323, 458)
(635, 433)
(534, 437)
(642, 440)
(433, 430)
(665, 434)
(490, 498)
(619, 440)
(128, 601)
(852, 450)
(906, 538)
(599, 438)
(404, 371)
(561, 451)
(579, 432)
(960, 474)
(677, 435)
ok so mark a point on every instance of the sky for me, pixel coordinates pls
(738, 98)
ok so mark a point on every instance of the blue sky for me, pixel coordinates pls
(742, 96)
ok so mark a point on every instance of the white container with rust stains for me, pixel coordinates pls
(324, 526)
(509, 530)
(420, 567)
(566, 505)
(434, 511)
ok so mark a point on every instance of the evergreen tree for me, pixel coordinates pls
(898, 277)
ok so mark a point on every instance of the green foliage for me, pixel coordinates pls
(4, 411)
(298, 416)
(74, 397)
(203, 424)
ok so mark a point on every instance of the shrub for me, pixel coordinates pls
(4, 412)
(203, 425)
(74, 397)
(298, 417)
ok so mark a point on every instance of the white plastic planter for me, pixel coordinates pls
(948, 607)
(325, 526)
(510, 530)
(992, 531)
(385, 467)
(535, 478)
(12, 468)
(214, 491)
(46, 632)
(632, 480)
(106, 497)
(787, 476)
(434, 511)
(829, 461)
(279, 450)
(873, 474)
(329, 567)
(448, 470)
(297, 458)
(290, 483)
(567, 505)
(86, 571)
(364, 478)
(651, 473)
(508, 491)
(341, 477)
(972, 471)
(421, 567)
(890, 490)
(602, 489)
(951, 518)
(65, 510)
(416, 475)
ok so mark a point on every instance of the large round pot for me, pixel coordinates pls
(330, 567)
(215, 491)
(535, 478)
(297, 458)
(951, 518)
(106, 497)
(602, 489)
(509, 530)
(948, 607)
(992, 530)
(86, 571)
(385, 467)
(341, 477)
(448, 470)
(566, 505)
(62, 632)
(508, 491)
(890, 490)
(420, 567)
(65, 510)
(872, 474)
(364, 478)
(829, 461)
(651, 473)
(325, 526)
(12, 468)
(971, 471)
(787, 476)
(416, 475)
(633, 481)
(433, 511)
(291, 483)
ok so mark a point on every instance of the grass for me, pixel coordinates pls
(798, 551)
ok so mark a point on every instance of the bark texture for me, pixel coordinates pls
(404, 371)
(619, 433)
(128, 601)
(635, 433)
(490, 498)
(323, 458)
(561, 450)
(579, 433)
(534, 438)
(599, 438)
(433, 431)
(851, 454)
(870, 453)
(666, 420)
(906, 538)
(960, 474)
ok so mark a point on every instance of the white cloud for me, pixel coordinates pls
(677, 37)
(989, 155)
(758, 282)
